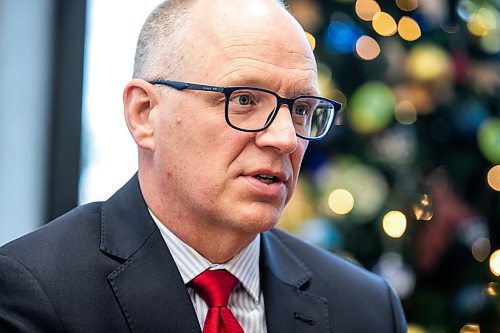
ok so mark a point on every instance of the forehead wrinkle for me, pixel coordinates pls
(263, 44)
(251, 60)
(259, 41)
(239, 76)
(285, 58)
(269, 55)
(244, 71)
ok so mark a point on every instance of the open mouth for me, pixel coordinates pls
(267, 179)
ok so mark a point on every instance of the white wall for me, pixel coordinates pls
(109, 153)
(25, 46)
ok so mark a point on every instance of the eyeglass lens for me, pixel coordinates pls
(252, 110)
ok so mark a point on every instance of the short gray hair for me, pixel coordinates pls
(160, 38)
(160, 43)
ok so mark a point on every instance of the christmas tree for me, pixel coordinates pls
(407, 184)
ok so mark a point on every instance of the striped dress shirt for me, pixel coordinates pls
(246, 301)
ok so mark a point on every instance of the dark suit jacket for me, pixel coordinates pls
(104, 267)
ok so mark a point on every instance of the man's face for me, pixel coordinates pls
(207, 171)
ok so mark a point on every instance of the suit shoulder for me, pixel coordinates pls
(363, 300)
(327, 265)
(57, 233)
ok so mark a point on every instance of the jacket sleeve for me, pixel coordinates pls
(24, 306)
(397, 311)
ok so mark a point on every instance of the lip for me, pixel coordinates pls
(260, 189)
(280, 175)
(273, 190)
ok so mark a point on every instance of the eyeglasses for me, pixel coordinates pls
(250, 109)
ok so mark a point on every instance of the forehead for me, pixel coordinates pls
(249, 42)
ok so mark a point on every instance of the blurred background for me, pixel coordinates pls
(407, 184)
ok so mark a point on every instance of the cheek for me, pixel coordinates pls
(202, 151)
(298, 155)
(296, 160)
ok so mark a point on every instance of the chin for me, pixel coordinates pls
(257, 221)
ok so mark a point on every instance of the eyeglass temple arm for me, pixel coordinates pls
(190, 86)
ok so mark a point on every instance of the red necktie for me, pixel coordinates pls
(214, 287)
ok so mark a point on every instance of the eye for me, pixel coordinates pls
(301, 109)
(244, 99)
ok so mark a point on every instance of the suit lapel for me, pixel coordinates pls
(147, 284)
(150, 290)
(289, 308)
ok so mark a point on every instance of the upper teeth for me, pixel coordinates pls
(265, 176)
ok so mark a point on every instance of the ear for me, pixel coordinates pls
(140, 101)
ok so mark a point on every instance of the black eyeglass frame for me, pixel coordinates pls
(227, 91)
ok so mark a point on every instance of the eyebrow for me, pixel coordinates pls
(257, 83)
(309, 92)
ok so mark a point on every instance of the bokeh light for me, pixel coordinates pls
(482, 21)
(366, 9)
(488, 16)
(372, 107)
(321, 232)
(423, 208)
(339, 96)
(469, 117)
(384, 24)
(493, 177)
(471, 229)
(367, 48)
(399, 274)
(366, 184)
(342, 34)
(489, 139)
(300, 208)
(495, 263)
(492, 289)
(466, 8)
(491, 42)
(394, 224)
(311, 39)
(308, 13)
(324, 78)
(418, 94)
(481, 249)
(409, 29)
(405, 112)
(428, 62)
(341, 201)
(395, 147)
(414, 328)
(477, 25)
(469, 298)
(470, 328)
(407, 5)
(327, 88)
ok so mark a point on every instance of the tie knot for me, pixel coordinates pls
(214, 287)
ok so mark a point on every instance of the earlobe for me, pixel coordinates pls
(140, 100)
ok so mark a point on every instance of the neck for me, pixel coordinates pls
(216, 242)
(217, 246)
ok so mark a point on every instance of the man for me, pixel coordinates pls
(219, 158)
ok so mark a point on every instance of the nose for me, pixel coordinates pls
(280, 135)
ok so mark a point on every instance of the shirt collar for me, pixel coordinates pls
(244, 266)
